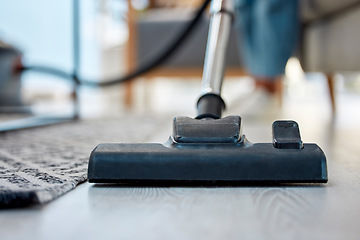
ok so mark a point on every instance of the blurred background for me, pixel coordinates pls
(321, 81)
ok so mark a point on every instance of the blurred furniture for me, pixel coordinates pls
(10, 84)
(330, 38)
(329, 41)
(153, 30)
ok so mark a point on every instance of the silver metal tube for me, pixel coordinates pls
(217, 42)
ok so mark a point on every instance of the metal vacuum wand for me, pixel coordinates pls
(210, 103)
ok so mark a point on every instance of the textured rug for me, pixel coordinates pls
(40, 164)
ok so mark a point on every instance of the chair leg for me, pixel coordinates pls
(129, 88)
(330, 82)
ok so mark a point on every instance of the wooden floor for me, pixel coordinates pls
(330, 211)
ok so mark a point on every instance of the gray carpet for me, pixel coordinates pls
(40, 164)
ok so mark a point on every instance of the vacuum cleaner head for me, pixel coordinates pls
(211, 152)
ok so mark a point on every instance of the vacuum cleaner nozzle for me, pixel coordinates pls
(211, 152)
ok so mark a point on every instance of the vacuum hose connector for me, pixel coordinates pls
(210, 106)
